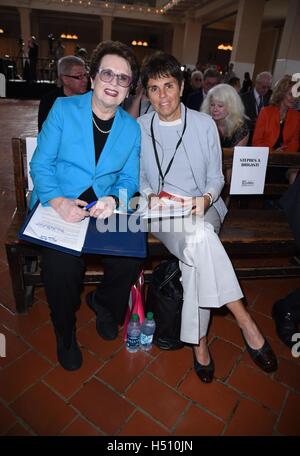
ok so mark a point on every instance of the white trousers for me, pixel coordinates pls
(208, 277)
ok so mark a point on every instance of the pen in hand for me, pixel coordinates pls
(88, 206)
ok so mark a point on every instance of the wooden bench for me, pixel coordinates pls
(246, 233)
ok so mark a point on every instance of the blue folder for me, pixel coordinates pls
(122, 242)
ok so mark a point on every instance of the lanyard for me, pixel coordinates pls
(162, 175)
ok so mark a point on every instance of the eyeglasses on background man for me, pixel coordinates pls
(79, 77)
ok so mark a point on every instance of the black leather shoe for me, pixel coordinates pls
(165, 343)
(205, 373)
(69, 357)
(263, 357)
(285, 323)
(106, 325)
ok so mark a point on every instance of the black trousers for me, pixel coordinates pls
(63, 276)
(292, 304)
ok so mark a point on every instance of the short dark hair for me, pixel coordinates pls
(160, 64)
(211, 73)
(233, 81)
(115, 48)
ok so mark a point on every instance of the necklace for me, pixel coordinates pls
(98, 128)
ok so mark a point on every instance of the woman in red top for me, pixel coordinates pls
(278, 125)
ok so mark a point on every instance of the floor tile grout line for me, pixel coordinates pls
(124, 397)
(17, 417)
(144, 412)
(27, 388)
(280, 413)
(252, 399)
(184, 396)
(81, 416)
(230, 417)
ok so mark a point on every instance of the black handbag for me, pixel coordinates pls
(164, 299)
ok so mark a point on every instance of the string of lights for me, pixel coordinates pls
(112, 6)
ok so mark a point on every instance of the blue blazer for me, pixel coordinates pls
(63, 163)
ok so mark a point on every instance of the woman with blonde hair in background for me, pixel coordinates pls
(226, 108)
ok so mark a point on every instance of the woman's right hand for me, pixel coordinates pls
(70, 210)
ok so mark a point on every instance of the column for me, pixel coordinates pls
(246, 36)
(267, 49)
(288, 58)
(177, 42)
(25, 24)
(191, 43)
(106, 27)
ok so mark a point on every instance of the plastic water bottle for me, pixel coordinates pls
(133, 334)
(147, 331)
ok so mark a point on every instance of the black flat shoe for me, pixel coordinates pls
(106, 325)
(69, 357)
(205, 373)
(263, 357)
(285, 323)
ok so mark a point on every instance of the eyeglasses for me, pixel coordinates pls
(80, 77)
(107, 75)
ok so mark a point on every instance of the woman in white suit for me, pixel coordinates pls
(181, 160)
(88, 150)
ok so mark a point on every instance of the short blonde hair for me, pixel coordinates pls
(281, 88)
(224, 93)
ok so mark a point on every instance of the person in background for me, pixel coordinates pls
(181, 159)
(235, 82)
(72, 80)
(247, 83)
(59, 50)
(211, 78)
(83, 54)
(137, 104)
(196, 79)
(256, 99)
(278, 125)
(194, 85)
(33, 51)
(229, 73)
(88, 150)
(225, 107)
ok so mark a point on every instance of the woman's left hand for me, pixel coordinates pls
(200, 205)
(104, 207)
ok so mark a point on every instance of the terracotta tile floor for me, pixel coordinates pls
(117, 393)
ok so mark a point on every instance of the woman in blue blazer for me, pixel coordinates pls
(88, 150)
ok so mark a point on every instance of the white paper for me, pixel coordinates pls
(31, 144)
(249, 170)
(171, 208)
(48, 226)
